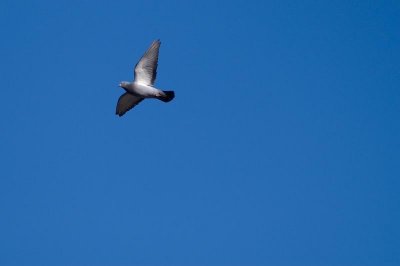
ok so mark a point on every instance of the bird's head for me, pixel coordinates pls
(123, 84)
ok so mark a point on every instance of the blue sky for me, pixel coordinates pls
(280, 148)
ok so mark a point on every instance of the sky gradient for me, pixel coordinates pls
(280, 148)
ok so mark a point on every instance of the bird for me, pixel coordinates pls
(142, 86)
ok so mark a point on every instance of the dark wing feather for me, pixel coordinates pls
(126, 102)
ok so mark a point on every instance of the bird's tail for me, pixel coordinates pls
(168, 96)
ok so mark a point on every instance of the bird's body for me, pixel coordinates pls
(142, 85)
(142, 90)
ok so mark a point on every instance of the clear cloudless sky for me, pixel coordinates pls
(280, 148)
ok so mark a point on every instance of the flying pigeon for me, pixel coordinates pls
(142, 85)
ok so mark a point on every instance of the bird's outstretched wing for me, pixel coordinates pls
(146, 68)
(126, 102)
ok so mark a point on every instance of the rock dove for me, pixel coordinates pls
(142, 85)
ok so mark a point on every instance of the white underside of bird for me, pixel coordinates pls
(142, 86)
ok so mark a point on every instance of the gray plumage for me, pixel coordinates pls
(142, 85)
